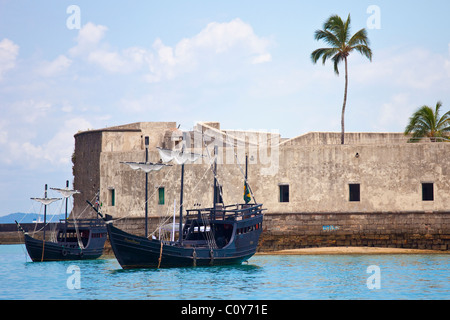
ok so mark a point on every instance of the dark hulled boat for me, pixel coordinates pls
(81, 242)
(76, 240)
(219, 235)
(211, 236)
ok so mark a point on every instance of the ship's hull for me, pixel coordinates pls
(40, 250)
(134, 251)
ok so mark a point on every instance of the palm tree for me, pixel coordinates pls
(427, 123)
(336, 33)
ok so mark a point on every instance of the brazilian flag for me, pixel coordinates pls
(247, 197)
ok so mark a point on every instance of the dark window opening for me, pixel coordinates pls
(161, 195)
(284, 193)
(354, 192)
(112, 197)
(427, 192)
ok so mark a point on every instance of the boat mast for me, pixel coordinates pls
(65, 221)
(180, 228)
(246, 168)
(146, 187)
(45, 211)
(215, 195)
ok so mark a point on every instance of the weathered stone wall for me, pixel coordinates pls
(389, 171)
(415, 230)
(10, 235)
(390, 178)
(86, 168)
(97, 167)
(330, 138)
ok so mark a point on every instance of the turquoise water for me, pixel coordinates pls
(343, 277)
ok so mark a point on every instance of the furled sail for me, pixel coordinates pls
(46, 201)
(66, 192)
(145, 166)
(179, 157)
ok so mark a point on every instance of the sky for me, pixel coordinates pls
(75, 65)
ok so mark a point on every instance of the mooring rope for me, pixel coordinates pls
(160, 255)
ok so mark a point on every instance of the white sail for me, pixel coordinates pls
(145, 166)
(46, 201)
(178, 156)
(166, 154)
(66, 192)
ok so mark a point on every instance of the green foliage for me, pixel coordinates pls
(336, 33)
(427, 123)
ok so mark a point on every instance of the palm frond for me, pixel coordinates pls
(425, 122)
(358, 38)
(444, 121)
(328, 37)
(336, 33)
(337, 58)
(346, 30)
(333, 23)
(364, 50)
(324, 53)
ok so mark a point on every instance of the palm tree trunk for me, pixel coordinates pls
(345, 102)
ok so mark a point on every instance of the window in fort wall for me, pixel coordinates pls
(284, 192)
(427, 191)
(354, 192)
(161, 195)
(112, 197)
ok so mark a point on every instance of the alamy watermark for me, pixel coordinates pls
(74, 280)
(260, 147)
(374, 280)
(374, 20)
(74, 20)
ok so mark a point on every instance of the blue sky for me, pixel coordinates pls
(243, 63)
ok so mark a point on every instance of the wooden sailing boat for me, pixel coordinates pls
(207, 236)
(76, 240)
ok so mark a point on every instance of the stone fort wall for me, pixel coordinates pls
(392, 207)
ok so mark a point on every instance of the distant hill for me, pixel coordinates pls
(28, 217)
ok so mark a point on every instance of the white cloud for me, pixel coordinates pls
(447, 62)
(3, 133)
(91, 47)
(88, 38)
(266, 57)
(222, 37)
(55, 67)
(29, 111)
(8, 55)
(415, 68)
(235, 39)
(55, 151)
(58, 150)
(396, 112)
(218, 43)
(126, 61)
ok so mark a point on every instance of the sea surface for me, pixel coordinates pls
(264, 277)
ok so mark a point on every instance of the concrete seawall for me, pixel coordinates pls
(10, 235)
(406, 230)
